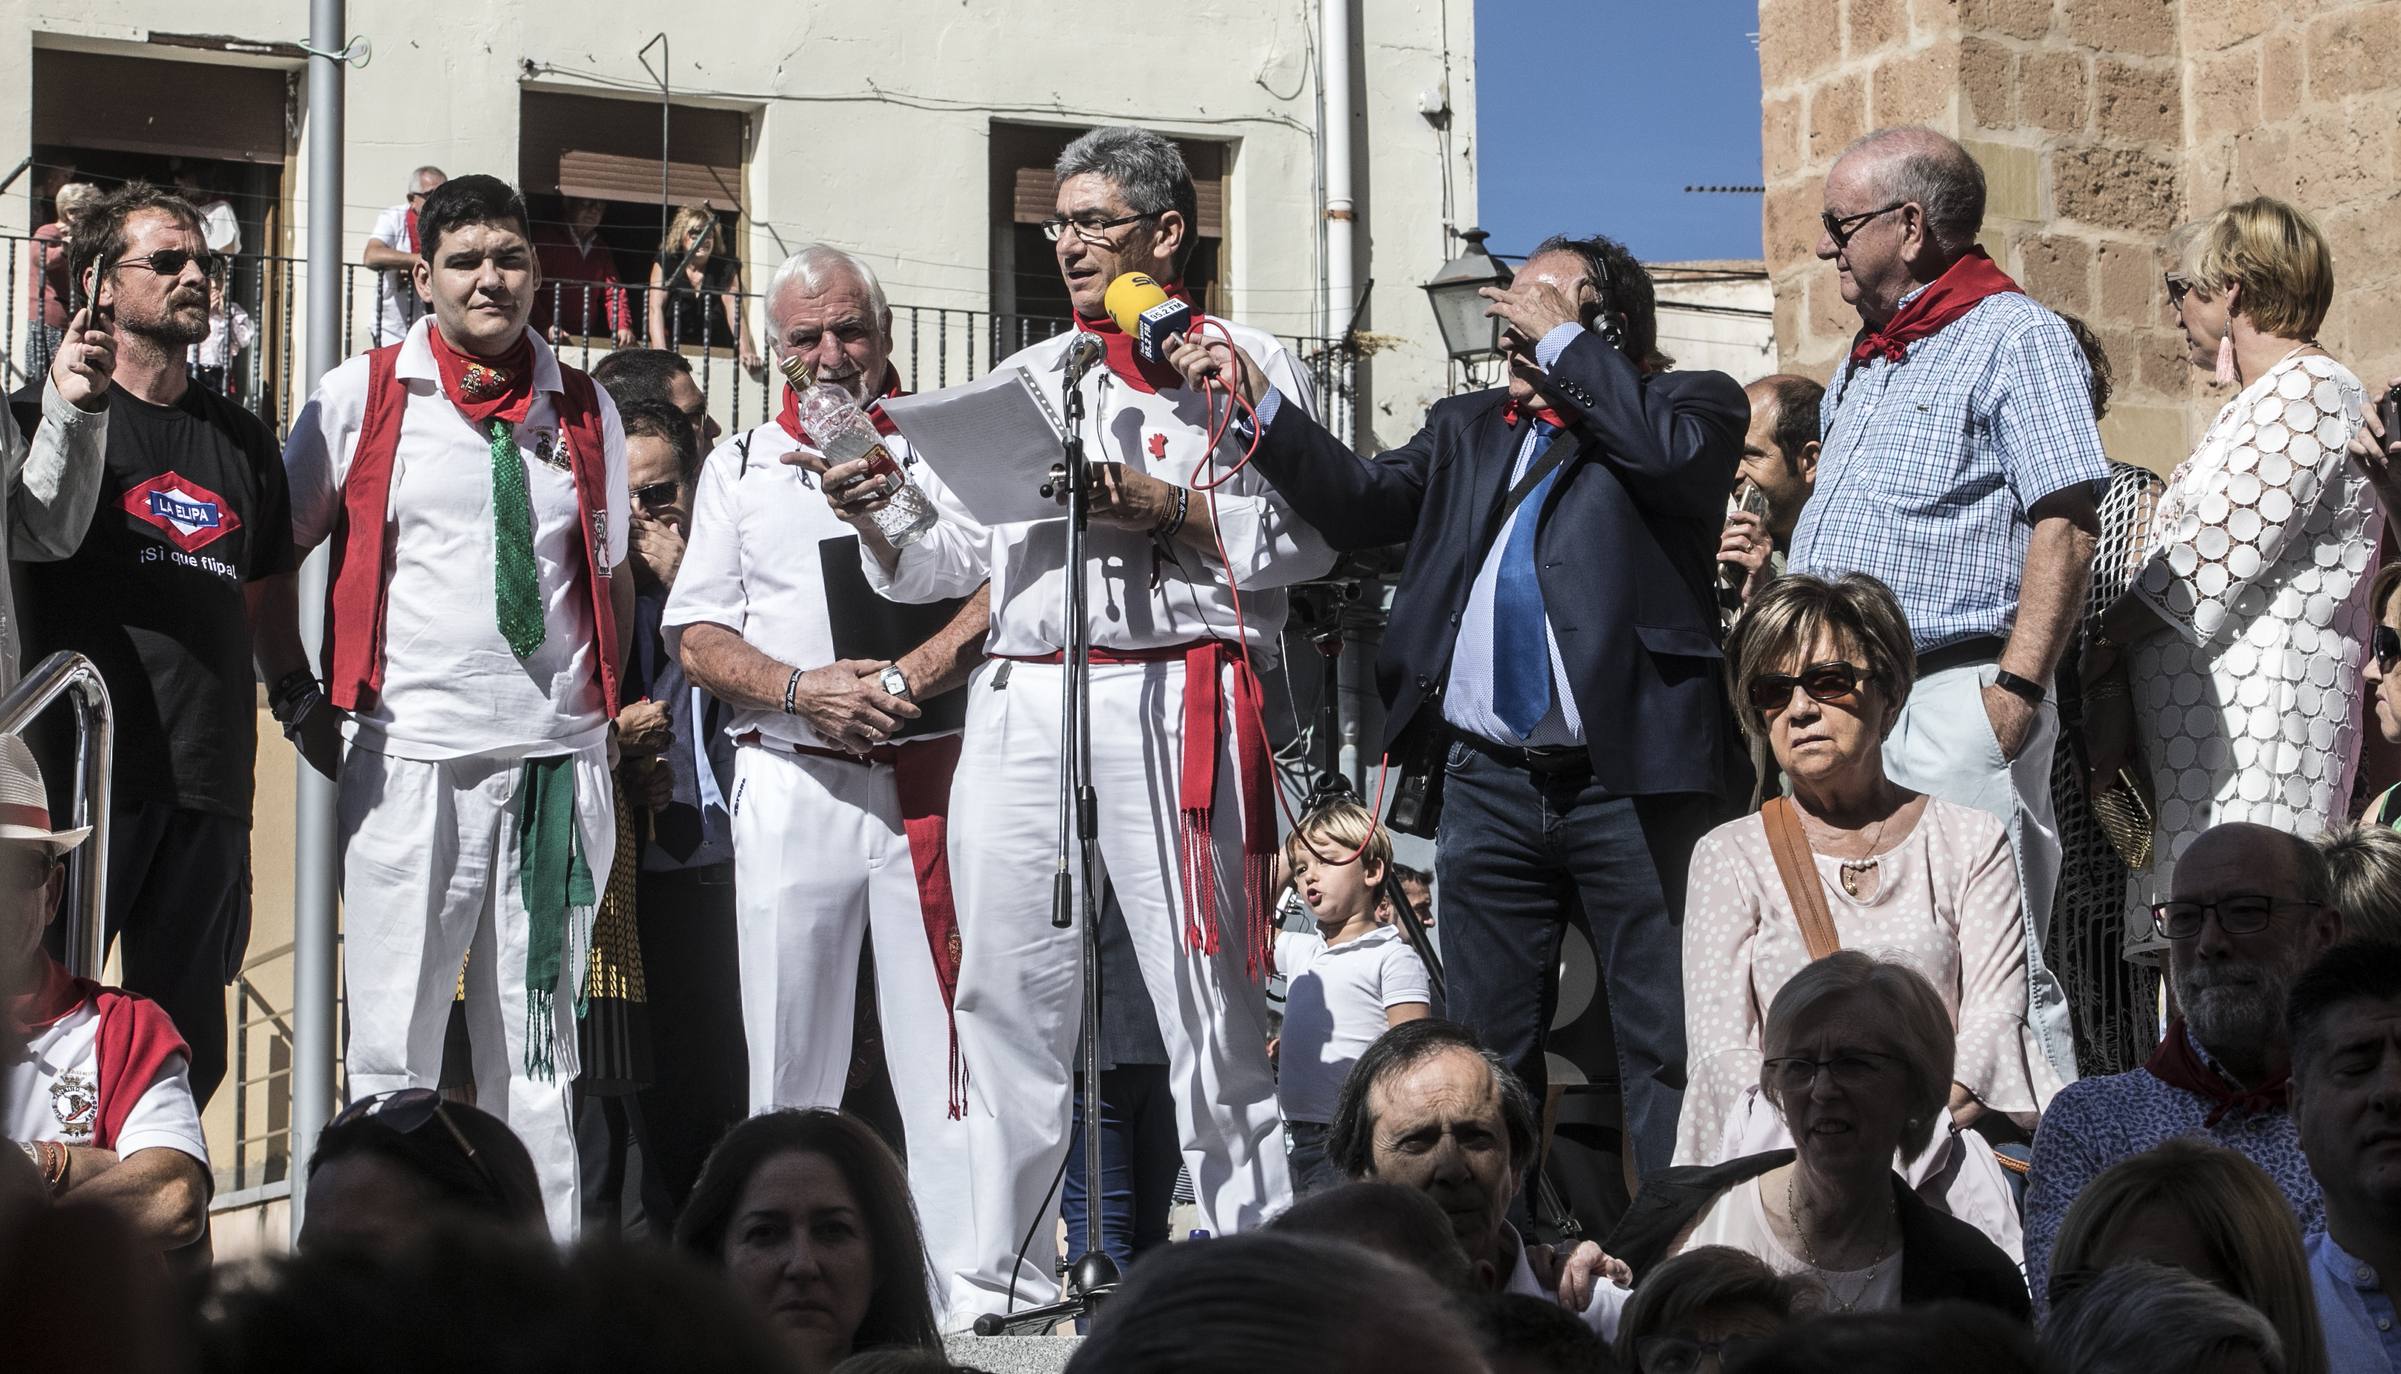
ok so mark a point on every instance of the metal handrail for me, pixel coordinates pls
(74, 676)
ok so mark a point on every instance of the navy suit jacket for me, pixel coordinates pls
(1627, 546)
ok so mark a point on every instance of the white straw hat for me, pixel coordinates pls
(24, 806)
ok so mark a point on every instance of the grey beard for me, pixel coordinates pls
(2241, 1006)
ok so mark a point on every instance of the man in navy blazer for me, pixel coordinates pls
(1555, 627)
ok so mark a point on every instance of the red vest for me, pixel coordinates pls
(361, 580)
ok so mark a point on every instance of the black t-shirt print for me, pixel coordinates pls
(193, 506)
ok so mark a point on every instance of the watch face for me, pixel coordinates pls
(895, 682)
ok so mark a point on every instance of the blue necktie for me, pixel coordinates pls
(1521, 647)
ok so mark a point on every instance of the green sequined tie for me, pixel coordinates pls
(518, 598)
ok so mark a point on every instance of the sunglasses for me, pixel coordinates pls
(404, 1111)
(1834, 682)
(657, 494)
(2386, 645)
(2179, 286)
(170, 262)
(1841, 230)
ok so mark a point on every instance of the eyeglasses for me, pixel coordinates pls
(2237, 915)
(1840, 230)
(2179, 286)
(170, 262)
(1089, 228)
(657, 494)
(403, 1110)
(23, 868)
(2386, 645)
(1832, 681)
(1683, 1355)
(1853, 1070)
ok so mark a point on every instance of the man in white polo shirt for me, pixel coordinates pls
(101, 1099)
(474, 491)
(842, 782)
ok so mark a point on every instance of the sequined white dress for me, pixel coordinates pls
(2247, 707)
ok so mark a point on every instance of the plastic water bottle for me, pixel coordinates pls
(841, 430)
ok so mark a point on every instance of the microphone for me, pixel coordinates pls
(1143, 309)
(1082, 355)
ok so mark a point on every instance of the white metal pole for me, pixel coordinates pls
(314, 854)
(1334, 77)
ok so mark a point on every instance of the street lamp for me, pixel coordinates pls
(1468, 334)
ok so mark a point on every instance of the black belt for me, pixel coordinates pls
(1960, 653)
(1542, 758)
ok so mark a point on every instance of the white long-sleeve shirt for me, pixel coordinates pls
(1267, 546)
(50, 488)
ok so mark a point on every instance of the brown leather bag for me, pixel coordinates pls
(1799, 871)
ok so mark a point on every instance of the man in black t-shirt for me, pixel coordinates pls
(192, 509)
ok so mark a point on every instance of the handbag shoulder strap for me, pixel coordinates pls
(1801, 883)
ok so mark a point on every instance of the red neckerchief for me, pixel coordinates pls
(2177, 1065)
(1960, 288)
(487, 389)
(789, 415)
(60, 993)
(413, 229)
(1125, 360)
(1513, 412)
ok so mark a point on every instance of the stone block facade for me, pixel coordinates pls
(2101, 125)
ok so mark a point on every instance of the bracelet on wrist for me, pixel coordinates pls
(792, 694)
(1169, 527)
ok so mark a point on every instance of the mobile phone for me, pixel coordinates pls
(1751, 499)
(2388, 410)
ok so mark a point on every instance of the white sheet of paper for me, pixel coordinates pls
(993, 440)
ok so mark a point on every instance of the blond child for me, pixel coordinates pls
(1345, 985)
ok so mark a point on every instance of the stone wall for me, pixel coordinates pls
(2101, 124)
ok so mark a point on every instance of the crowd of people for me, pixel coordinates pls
(745, 789)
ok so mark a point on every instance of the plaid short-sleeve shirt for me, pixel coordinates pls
(1930, 465)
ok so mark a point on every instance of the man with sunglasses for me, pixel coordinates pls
(473, 488)
(2247, 913)
(99, 1099)
(192, 514)
(1961, 466)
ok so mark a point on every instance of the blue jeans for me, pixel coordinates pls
(1522, 851)
(1139, 1157)
(1305, 1147)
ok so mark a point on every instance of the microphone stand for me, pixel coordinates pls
(1075, 887)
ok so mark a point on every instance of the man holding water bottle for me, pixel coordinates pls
(1779, 468)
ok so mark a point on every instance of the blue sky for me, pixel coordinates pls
(1594, 115)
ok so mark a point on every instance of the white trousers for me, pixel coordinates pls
(1944, 746)
(1021, 984)
(821, 862)
(430, 866)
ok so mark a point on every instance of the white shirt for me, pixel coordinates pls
(754, 564)
(1467, 699)
(451, 687)
(53, 1093)
(1335, 998)
(1738, 1218)
(1601, 1314)
(220, 227)
(1270, 547)
(400, 306)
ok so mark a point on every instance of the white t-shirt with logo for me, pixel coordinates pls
(53, 1093)
(1335, 1000)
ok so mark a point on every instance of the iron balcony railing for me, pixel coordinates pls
(933, 346)
(71, 675)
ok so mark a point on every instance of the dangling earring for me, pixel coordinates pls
(2226, 373)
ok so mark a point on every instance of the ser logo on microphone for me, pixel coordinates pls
(1148, 315)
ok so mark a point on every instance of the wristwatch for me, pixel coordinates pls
(894, 682)
(2011, 683)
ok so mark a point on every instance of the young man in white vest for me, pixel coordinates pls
(1184, 787)
(842, 706)
(474, 489)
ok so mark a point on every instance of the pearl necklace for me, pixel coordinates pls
(1854, 871)
(1800, 1228)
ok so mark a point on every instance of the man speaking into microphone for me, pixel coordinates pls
(1552, 648)
(1180, 769)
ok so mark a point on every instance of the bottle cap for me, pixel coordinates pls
(796, 373)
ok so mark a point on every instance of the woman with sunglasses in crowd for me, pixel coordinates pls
(1853, 860)
(398, 1164)
(807, 1214)
(2383, 669)
(2226, 673)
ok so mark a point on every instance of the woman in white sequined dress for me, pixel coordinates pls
(2231, 666)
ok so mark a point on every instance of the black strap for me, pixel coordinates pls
(1562, 448)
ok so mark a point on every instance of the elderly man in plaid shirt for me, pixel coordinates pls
(1961, 466)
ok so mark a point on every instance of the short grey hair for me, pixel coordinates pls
(1148, 170)
(417, 178)
(1915, 163)
(812, 267)
(1895, 997)
(2137, 1317)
